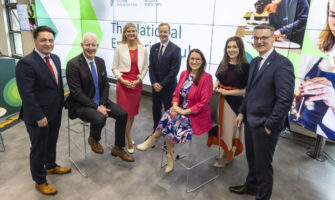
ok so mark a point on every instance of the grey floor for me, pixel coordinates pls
(296, 175)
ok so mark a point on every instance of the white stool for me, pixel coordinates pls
(81, 166)
(188, 162)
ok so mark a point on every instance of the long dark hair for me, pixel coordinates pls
(326, 37)
(241, 58)
(202, 67)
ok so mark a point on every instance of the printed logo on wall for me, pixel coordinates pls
(134, 3)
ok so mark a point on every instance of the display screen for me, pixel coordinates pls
(207, 25)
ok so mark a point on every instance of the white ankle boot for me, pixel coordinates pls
(170, 162)
(150, 142)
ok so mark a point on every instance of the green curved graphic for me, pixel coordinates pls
(43, 16)
(11, 94)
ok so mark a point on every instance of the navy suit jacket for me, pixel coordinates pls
(81, 84)
(165, 70)
(269, 94)
(41, 96)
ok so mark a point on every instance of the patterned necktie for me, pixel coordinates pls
(95, 79)
(47, 60)
(160, 52)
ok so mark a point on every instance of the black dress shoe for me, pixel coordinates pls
(241, 189)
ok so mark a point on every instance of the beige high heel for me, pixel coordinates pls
(150, 142)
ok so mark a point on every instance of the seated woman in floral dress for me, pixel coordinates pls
(190, 112)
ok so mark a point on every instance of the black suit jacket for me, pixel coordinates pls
(165, 70)
(81, 84)
(41, 96)
(269, 94)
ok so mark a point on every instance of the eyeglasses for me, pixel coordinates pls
(331, 14)
(263, 38)
(88, 45)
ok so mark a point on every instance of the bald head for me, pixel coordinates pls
(89, 45)
(90, 35)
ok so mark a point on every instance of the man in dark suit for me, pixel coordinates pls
(89, 90)
(268, 99)
(164, 64)
(39, 81)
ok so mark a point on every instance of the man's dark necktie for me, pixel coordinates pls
(160, 52)
(256, 69)
(95, 79)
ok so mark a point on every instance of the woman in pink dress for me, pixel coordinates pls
(130, 65)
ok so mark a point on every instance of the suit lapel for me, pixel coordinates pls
(99, 71)
(44, 67)
(265, 65)
(165, 51)
(155, 54)
(59, 70)
(251, 71)
(58, 66)
(86, 68)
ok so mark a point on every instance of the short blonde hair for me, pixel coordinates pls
(125, 28)
(164, 24)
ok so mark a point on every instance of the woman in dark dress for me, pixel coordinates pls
(232, 77)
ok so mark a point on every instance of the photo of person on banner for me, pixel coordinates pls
(314, 103)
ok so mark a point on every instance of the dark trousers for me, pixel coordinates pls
(98, 121)
(164, 97)
(260, 148)
(43, 148)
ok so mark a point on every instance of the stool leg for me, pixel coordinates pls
(84, 127)
(2, 142)
(68, 136)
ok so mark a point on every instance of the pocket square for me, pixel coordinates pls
(103, 74)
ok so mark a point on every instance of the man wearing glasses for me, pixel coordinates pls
(264, 110)
(89, 90)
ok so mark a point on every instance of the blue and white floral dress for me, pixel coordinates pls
(178, 129)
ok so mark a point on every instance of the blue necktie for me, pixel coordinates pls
(160, 52)
(95, 79)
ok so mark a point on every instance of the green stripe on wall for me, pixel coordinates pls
(45, 18)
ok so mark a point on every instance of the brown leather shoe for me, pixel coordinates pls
(95, 146)
(122, 154)
(46, 188)
(59, 170)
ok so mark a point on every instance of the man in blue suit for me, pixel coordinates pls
(39, 81)
(268, 99)
(164, 64)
